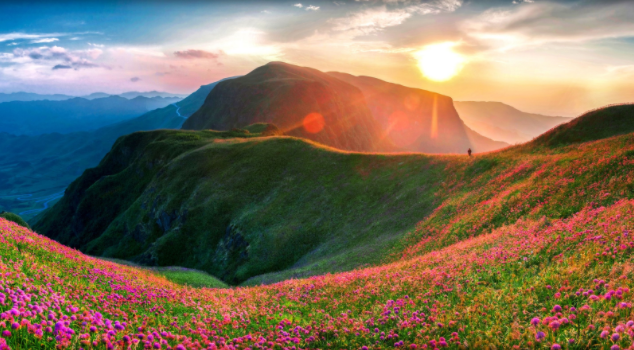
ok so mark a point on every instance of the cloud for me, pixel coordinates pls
(197, 54)
(19, 36)
(312, 8)
(61, 66)
(299, 5)
(76, 59)
(135, 79)
(537, 23)
(96, 45)
(378, 18)
(44, 40)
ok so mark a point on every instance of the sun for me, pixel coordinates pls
(440, 62)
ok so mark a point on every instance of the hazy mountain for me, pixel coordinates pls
(502, 122)
(417, 120)
(43, 165)
(76, 114)
(301, 101)
(29, 96)
(133, 94)
(359, 113)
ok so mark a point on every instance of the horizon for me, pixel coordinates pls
(524, 53)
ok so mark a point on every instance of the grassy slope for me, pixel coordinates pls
(14, 218)
(263, 210)
(45, 164)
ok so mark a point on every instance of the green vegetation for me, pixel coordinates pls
(189, 277)
(15, 218)
(253, 210)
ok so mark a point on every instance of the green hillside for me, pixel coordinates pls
(34, 170)
(14, 218)
(595, 125)
(250, 210)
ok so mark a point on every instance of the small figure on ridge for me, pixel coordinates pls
(469, 152)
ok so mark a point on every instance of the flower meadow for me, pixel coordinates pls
(534, 255)
(550, 284)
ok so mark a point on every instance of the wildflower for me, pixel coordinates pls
(615, 337)
(556, 347)
(540, 336)
(535, 321)
(615, 347)
(6, 334)
(604, 334)
(557, 308)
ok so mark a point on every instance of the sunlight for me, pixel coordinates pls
(439, 62)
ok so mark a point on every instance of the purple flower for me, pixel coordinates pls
(6, 334)
(615, 347)
(535, 321)
(557, 308)
(540, 335)
(556, 347)
(615, 337)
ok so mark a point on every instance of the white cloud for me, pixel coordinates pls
(312, 8)
(540, 23)
(44, 40)
(96, 45)
(57, 56)
(299, 5)
(376, 19)
(19, 36)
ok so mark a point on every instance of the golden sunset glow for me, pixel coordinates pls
(439, 62)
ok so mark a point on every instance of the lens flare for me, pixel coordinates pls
(314, 123)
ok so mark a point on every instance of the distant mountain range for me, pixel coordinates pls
(42, 165)
(76, 114)
(340, 110)
(502, 122)
(29, 96)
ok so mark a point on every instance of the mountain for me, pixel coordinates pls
(502, 122)
(250, 209)
(417, 120)
(35, 169)
(77, 114)
(353, 113)
(29, 96)
(133, 94)
(301, 101)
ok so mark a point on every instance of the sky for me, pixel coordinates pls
(551, 57)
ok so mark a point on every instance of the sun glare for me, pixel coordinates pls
(439, 62)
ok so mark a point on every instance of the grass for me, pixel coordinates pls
(251, 210)
(14, 218)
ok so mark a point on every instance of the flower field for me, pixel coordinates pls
(535, 284)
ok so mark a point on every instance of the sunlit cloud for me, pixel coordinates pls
(44, 40)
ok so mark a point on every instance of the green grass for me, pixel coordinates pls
(192, 278)
(251, 210)
(15, 218)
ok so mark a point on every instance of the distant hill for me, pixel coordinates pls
(417, 120)
(43, 165)
(77, 114)
(591, 126)
(301, 101)
(502, 122)
(132, 94)
(29, 96)
(251, 209)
